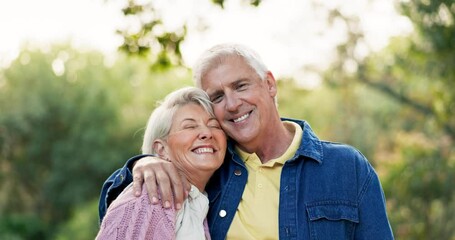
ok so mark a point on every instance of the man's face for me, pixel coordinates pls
(243, 103)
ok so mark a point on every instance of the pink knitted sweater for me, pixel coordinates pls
(130, 217)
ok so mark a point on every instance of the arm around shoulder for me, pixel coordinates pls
(131, 217)
(115, 184)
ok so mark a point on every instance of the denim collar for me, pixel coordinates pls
(310, 147)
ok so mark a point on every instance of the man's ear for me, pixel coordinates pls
(160, 147)
(271, 84)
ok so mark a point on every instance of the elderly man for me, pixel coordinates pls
(278, 180)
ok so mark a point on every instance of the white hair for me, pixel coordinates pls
(216, 55)
(160, 120)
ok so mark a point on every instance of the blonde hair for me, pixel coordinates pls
(160, 120)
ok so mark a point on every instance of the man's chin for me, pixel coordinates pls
(240, 137)
(238, 133)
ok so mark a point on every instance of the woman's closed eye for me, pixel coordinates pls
(190, 126)
(213, 123)
(214, 126)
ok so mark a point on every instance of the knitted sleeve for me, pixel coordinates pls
(131, 217)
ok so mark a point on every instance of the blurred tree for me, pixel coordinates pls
(147, 36)
(419, 186)
(149, 39)
(417, 72)
(355, 115)
(59, 124)
(83, 224)
(68, 120)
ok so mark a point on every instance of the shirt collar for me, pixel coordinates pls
(310, 146)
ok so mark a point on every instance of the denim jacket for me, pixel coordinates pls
(327, 191)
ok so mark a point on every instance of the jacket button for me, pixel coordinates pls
(237, 172)
(222, 213)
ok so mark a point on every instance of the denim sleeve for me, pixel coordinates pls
(115, 184)
(374, 223)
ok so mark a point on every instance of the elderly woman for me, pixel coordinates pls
(184, 130)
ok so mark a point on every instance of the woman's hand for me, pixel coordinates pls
(156, 172)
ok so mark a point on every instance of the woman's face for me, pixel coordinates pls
(196, 141)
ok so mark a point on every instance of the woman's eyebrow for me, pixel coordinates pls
(188, 119)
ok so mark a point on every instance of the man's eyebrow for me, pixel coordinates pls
(215, 93)
(243, 79)
(232, 84)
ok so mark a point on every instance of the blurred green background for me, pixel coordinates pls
(69, 118)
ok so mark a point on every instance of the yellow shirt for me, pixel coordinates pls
(257, 214)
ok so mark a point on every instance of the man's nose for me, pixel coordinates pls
(232, 102)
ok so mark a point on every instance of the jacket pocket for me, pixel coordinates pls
(332, 219)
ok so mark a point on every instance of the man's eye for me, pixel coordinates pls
(217, 99)
(242, 86)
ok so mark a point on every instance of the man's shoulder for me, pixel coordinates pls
(345, 159)
(340, 149)
(342, 152)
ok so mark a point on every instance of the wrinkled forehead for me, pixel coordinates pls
(225, 71)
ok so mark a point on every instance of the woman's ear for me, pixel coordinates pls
(160, 148)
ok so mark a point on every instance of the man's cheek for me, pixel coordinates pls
(219, 114)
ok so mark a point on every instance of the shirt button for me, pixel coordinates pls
(237, 172)
(260, 185)
(222, 213)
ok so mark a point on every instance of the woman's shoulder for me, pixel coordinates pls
(129, 214)
(127, 197)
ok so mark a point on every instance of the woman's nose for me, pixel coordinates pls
(205, 133)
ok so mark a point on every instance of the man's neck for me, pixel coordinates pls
(276, 142)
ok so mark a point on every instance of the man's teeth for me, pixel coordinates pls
(204, 150)
(241, 118)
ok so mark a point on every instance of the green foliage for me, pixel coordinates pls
(68, 121)
(21, 226)
(160, 47)
(254, 3)
(433, 47)
(419, 186)
(352, 114)
(55, 122)
(150, 39)
(82, 225)
(416, 70)
(414, 149)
